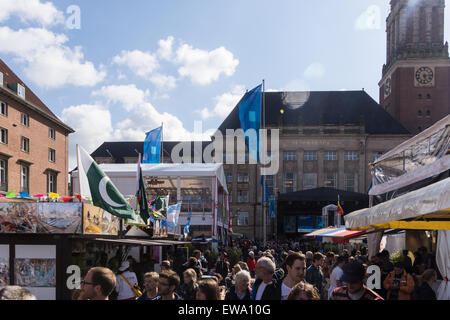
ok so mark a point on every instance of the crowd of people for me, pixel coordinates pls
(275, 272)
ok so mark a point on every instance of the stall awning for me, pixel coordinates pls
(427, 208)
(334, 232)
(131, 242)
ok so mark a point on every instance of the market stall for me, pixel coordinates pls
(201, 188)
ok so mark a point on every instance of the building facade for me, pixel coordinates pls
(414, 87)
(34, 142)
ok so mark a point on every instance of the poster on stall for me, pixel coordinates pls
(59, 217)
(157, 228)
(35, 272)
(92, 219)
(111, 224)
(4, 265)
(16, 217)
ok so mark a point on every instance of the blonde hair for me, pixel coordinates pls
(153, 275)
(191, 273)
(309, 289)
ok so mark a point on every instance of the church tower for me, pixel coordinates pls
(415, 87)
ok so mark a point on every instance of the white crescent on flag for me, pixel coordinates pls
(104, 193)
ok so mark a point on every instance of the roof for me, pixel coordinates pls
(323, 107)
(30, 98)
(323, 194)
(121, 149)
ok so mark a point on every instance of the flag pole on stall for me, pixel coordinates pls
(263, 207)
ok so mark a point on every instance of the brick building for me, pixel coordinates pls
(415, 84)
(33, 141)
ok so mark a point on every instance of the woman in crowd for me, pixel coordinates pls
(230, 280)
(303, 291)
(125, 280)
(241, 289)
(188, 290)
(208, 290)
(336, 274)
(425, 291)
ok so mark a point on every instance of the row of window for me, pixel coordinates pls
(330, 180)
(25, 120)
(419, 113)
(328, 155)
(25, 144)
(24, 178)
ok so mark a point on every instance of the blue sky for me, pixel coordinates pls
(134, 64)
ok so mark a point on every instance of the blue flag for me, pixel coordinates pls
(250, 118)
(186, 227)
(152, 146)
(272, 209)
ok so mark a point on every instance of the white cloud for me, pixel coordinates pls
(163, 81)
(314, 70)
(92, 125)
(370, 19)
(48, 62)
(165, 48)
(31, 11)
(204, 67)
(224, 103)
(141, 63)
(128, 95)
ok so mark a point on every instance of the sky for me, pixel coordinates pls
(115, 69)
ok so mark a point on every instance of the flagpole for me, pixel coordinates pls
(79, 172)
(263, 208)
(162, 142)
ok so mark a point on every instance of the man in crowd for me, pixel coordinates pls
(265, 287)
(354, 288)
(151, 280)
(314, 274)
(98, 284)
(165, 265)
(202, 262)
(399, 284)
(222, 266)
(251, 263)
(168, 282)
(296, 266)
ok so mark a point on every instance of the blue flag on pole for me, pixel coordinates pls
(272, 205)
(186, 227)
(152, 146)
(250, 118)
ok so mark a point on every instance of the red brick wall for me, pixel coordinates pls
(38, 134)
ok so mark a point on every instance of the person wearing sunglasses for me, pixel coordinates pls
(98, 284)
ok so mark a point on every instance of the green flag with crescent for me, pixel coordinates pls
(95, 184)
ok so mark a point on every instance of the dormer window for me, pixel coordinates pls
(21, 91)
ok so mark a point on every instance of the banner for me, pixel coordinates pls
(152, 146)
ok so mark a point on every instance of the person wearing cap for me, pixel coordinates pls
(353, 277)
(124, 276)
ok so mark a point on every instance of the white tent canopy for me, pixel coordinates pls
(161, 170)
(429, 199)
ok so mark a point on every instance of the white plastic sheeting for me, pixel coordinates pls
(443, 263)
(423, 156)
(417, 203)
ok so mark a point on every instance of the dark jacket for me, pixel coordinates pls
(425, 292)
(223, 268)
(314, 276)
(231, 294)
(272, 291)
(185, 292)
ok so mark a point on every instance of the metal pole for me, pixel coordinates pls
(263, 207)
(162, 142)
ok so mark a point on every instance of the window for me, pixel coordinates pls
(420, 96)
(351, 182)
(350, 155)
(376, 155)
(289, 182)
(428, 113)
(310, 155)
(51, 182)
(25, 120)
(51, 133)
(24, 174)
(290, 155)
(25, 144)
(1, 79)
(242, 196)
(243, 177)
(3, 175)
(330, 180)
(21, 91)
(4, 135)
(51, 155)
(229, 176)
(428, 96)
(3, 108)
(309, 181)
(242, 218)
(270, 181)
(330, 155)
(419, 113)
